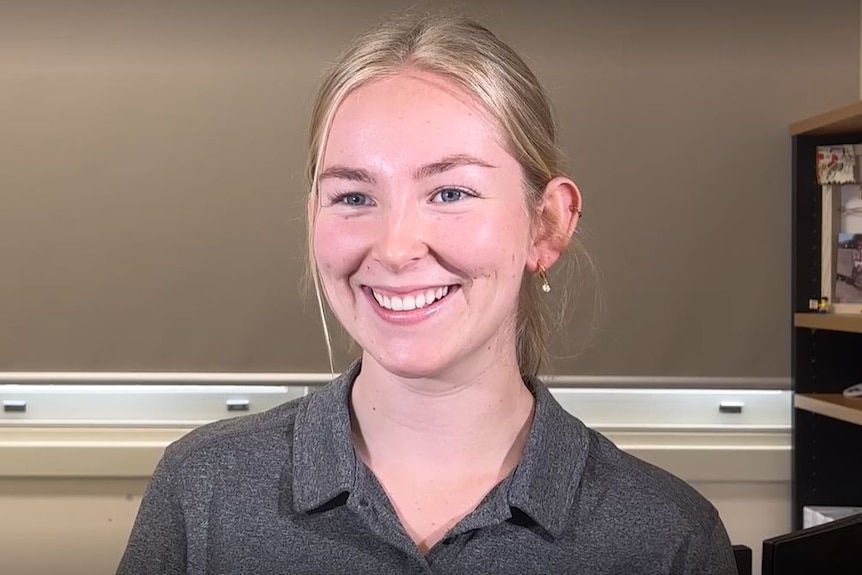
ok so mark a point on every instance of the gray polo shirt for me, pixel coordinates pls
(283, 492)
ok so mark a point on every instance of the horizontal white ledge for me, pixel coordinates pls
(316, 379)
(133, 453)
(159, 405)
(189, 424)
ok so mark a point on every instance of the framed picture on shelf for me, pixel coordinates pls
(838, 169)
(848, 270)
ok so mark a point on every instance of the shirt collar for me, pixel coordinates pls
(324, 460)
(544, 484)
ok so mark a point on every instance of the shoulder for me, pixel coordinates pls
(220, 442)
(620, 511)
(652, 517)
(616, 478)
(608, 486)
(254, 447)
(646, 509)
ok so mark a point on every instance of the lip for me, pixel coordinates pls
(408, 317)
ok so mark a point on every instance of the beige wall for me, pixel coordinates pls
(69, 526)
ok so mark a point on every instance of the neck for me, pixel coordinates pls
(455, 425)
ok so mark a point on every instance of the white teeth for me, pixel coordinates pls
(410, 302)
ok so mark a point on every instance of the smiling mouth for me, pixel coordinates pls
(416, 300)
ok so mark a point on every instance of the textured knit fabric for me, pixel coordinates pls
(283, 492)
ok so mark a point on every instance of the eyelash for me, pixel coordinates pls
(463, 191)
(340, 198)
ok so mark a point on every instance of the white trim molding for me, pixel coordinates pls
(134, 452)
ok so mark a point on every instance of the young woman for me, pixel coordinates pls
(436, 205)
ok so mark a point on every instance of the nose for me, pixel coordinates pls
(401, 240)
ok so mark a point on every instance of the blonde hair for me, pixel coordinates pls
(474, 59)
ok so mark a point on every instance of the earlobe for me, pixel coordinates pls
(560, 211)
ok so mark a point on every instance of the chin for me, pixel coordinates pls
(412, 365)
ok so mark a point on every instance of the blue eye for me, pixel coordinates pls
(353, 199)
(450, 195)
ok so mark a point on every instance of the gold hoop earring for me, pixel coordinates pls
(543, 274)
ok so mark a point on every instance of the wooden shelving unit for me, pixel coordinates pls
(830, 321)
(826, 355)
(844, 120)
(834, 405)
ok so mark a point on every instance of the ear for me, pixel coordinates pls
(557, 217)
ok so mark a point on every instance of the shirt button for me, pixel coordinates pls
(363, 502)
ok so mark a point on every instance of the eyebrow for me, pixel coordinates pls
(449, 163)
(443, 165)
(345, 173)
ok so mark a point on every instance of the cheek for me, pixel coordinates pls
(338, 245)
(496, 245)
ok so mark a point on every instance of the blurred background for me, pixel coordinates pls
(152, 176)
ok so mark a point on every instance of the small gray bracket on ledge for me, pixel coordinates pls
(14, 406)
(238, 404)
(731, 406)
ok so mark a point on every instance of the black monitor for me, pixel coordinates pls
(831, 549)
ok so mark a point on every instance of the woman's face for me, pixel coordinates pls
(422, 233)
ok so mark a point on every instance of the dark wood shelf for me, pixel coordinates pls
(827, 426)
(830, 321)
(834, 405)
(845, 120)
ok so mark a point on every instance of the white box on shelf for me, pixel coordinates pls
(817, 515)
